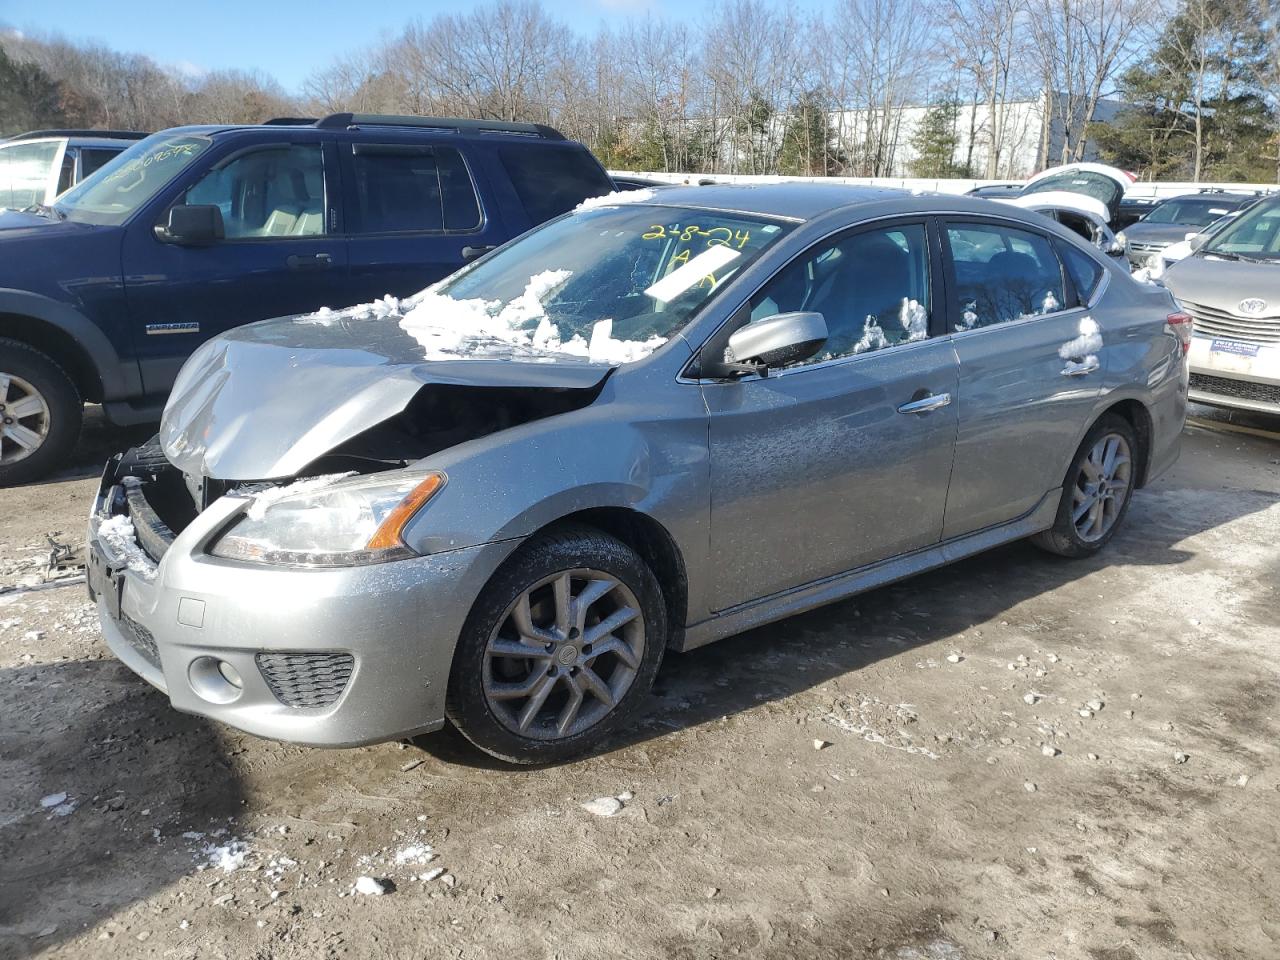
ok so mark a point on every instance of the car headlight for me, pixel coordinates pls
(1122, 240)
(347, 523)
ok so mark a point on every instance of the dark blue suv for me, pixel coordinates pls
(194, 230)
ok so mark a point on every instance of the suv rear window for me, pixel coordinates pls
(404, 187)
(552, 181)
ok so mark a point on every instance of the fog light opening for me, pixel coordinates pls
(214, 680)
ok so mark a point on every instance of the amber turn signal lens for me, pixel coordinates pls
(388, 533)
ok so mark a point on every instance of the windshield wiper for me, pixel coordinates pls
(1219, 253)
(44, 210)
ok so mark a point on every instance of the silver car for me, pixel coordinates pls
(1231, 288)
(655, 422)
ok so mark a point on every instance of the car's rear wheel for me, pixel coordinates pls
(40, 413)
(559, 650)
(1097, 491)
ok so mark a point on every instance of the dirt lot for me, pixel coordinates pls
(1025, 758)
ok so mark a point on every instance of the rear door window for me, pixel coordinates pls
(550, 181)
(1085, 272)
(412, 188)
(1003, 274)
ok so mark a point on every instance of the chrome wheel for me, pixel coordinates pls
(1101, 487)
(24, 419)
(563, 654)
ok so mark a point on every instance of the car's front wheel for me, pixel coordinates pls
(559, 650)
(1097, 491)
(40, 413)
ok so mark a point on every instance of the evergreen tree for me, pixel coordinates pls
(808, 142)
(935, 142)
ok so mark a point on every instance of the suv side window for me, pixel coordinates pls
(871, 287)
(551, 181)
(274, 192)
(412, 188)
(1085, 272)
(1003, 274)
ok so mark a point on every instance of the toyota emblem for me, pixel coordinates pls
(1252, 306)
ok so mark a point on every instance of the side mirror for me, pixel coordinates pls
(1196, 240)
(772, 342)
(195, 225)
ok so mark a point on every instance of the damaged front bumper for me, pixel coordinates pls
(327, 657)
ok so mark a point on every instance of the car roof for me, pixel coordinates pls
(786, 200)
(808, 200)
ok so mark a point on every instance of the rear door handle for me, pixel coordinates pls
(310, 261)
(1078, 368)
(470, 253)
(925, 404)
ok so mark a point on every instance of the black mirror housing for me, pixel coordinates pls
(192, 225)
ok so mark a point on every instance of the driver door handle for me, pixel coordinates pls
(925, 404)
(310, 261)
(470, 253)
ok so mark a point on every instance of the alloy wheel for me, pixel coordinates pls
(24, 419)
(1101, 487)
(564, 654)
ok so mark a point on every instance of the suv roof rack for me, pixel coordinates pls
(290, 122)
(109, 134)
(455, 124)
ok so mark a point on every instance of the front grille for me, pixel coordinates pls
(306, 679)
(141, 639)
(1239, 389)
(1146, 247)
(1220, 323)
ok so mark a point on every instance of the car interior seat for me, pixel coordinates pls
(871, 281)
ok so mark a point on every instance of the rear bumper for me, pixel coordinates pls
(1239, 374)
(390, 628)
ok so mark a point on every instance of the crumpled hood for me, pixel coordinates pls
(1225, 284)
(263, 401)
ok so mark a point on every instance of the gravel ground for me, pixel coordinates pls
(1013, 757)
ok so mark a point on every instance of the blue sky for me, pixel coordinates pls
(286, 38)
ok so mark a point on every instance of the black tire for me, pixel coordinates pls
(1064, 538)
(65, 413)
(544, 558)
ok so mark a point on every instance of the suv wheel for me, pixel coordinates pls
(559, 650)
(1097, 491)
(40, 413)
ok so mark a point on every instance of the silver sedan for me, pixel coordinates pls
(657, 421)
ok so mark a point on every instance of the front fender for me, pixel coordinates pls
(120, 379)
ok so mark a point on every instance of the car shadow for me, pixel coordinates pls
(89, 729)
(782, 659)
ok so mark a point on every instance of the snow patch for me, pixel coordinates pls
(603, 806)
(872, 338)
(262, 500)
(617, 198)
(371, 887)
(414, 853)
(227, 857)
(445, 327)
(118, 536)
(914, 319)
(1081, 352)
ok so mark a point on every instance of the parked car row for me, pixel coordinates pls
(36, 167)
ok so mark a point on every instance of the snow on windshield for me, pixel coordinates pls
(449, 328)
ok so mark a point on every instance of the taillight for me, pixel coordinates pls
(1181, 324)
